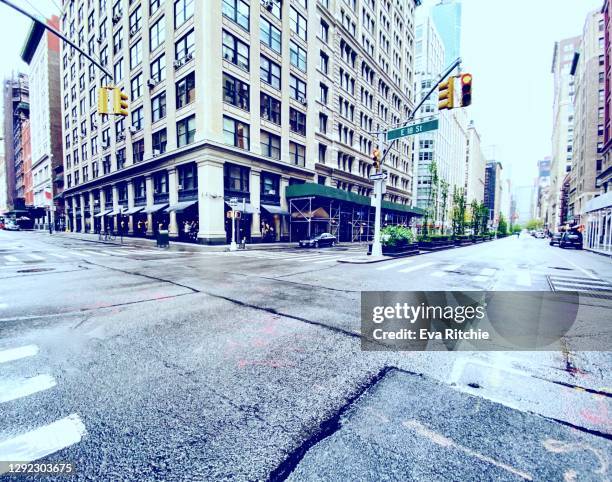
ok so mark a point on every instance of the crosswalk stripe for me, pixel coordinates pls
(584, 285)
(452, 267)
(394, 265)
(13, 354)
(487, 271)
(12, 390)
(12, 259)
(114, 253)
(94, 253)
(415, 268)
(584, 289)
(333, 259)
(36, 257)
(58, 255)
(480, 278)
(581, 282)
(43, 441)
(439, 274)
(523, 278)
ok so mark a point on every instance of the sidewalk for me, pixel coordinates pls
(175, 245)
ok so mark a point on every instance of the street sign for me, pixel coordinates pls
(379, 175)
(233, 202)
(412, 130)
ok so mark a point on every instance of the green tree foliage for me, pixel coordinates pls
(459, 212)
(534, 224)
(502, 226)
(396, 235)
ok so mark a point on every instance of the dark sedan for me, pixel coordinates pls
(571, 239)
(555, 239)
(324, 239)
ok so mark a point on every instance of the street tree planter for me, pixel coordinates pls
(403, 249)
(463, 241)
(435, 245)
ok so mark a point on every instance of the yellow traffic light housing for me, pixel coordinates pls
(446, 94)
(376, 156)
(466, 90)
(103, 100)
(120, 102)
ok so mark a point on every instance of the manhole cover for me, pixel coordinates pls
(34, 270)
(561, 268)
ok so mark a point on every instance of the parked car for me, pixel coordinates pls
(571, 239)
(11, 226)
(323, 239)
(555, 238)
(539, 234)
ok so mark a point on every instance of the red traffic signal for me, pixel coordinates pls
(466, 90)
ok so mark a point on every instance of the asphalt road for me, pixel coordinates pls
(140, 364)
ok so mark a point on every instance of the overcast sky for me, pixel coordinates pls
(506, 44)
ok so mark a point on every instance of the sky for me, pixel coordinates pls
(506, 44)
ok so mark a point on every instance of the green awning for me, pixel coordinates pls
(309, 189)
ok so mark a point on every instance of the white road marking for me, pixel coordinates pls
(36, 257)
(452, 267)
(414, 268)
(12, 390)
(523, 278)
(114, 253)
(95, 253)
(480, 279)
(586, 282)
(17, 353)
(12, 259)
(439, 274)
(58, 255)
(43, 441)
(487, 272)
(394, 265)
(332, 259)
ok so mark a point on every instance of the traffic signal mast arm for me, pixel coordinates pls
(410, 118)
(60, 35)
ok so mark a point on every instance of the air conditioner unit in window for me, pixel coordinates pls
(177, 63)
(156, 152)
(133, 31)
(117, 17)
(188, 57)
(106, 144)
(151, 83)
(301, 100)
(120, 137)
(133, 129)
(99, 39)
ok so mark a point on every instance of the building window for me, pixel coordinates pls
(118, 70)
(235, 51)
(159, 140)
(236, 178)
(297, 89)
(324, 31)
(270, 72)
(106, 164)
(185, 90)
(236, 133)
(297, 23)
(185, 46)
(297, 121)
(117, 41)
(157, 33)
(297, 154)
(323, 93)
(297, 55)
(270, 145)
(154, 5)
(158, 107)
(324, 63)
(183, 11)
(137, 116)
(140, 190)
(119, 128)
(135, 20)
(270, 108)
(270, 35)
(185, 131)
(235, 92)
(322, 153)
(160, 183)
(270, 187)
(136, 87)
(121, 158)
(237, 11)
(138, 151)
(158, 68)
(322, 123)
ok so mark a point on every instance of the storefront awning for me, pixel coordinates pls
(119, 210)
(318, 213)
(155, 208)
(180, 206)
(134, 210)
(103, 213)
(275, 209)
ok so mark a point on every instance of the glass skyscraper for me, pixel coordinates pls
(447, 18)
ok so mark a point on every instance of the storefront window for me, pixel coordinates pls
(236, 178)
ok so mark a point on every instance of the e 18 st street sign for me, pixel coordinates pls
(412, 130)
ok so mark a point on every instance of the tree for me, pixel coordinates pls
(444, 198)
(458, 213)
(516, 228)
(502, 225)
(475, 212)
(484, 218)
(534, 224)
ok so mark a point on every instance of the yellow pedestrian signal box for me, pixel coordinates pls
(112, 101)
(120, 102)
(446, 94)
(104, 96)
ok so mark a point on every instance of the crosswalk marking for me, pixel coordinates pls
(61, 256)
(333, 259)
(95, 253)
(17, 353)
(43, 441)
(415, 268)
(36, 257)
(12, 390)
(487, 271)
(394, 265)
(452, 267)
(12, 259)
(439, 274)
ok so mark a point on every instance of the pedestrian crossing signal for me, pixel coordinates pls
(376, 157)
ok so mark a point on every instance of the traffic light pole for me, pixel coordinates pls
(380, 183)
(60, 35)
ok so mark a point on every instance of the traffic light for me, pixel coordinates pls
(376, 156)
(103, 97)
(466, 90)
(446, 94)
(120, 102)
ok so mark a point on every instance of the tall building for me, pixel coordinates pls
(446, 146)
(265, 103)
(16, 113)
(542, 193)
(447, 18)
(42, 52)
(525, 201)
(588, 127)
(493, 189)
(563, 125)
(3, 180)
(475, 166)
